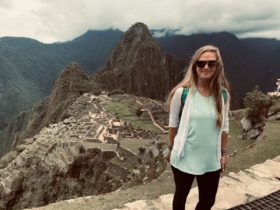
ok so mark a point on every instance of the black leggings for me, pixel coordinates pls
(207, 188)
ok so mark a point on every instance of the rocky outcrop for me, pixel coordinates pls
(79, 156)
(251, 130)
(273, 115)
(254, 130)
(138, 65)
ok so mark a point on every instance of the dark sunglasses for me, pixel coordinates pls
(201, 64)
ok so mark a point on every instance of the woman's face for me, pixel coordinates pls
(205, 65)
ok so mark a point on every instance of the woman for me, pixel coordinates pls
(198, 129)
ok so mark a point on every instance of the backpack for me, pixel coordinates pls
(185, 94)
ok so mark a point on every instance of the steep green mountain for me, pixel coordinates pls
(16, 92)
(269, 50)
(29, 68)
(245, 67)
(138, 65)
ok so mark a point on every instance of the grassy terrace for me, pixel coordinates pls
(265, 149)
(268, 148)
(126, 110)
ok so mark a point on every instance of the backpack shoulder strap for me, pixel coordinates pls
(184, 95)
(183, 99)
(224, 93)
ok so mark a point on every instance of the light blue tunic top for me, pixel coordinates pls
(200, 148)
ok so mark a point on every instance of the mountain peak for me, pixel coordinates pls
(72, 82)
(138, 28)
(138, 65)
(137, 32)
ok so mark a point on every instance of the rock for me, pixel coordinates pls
(246, 124)
(155, 151)
(253, 133)
(274, 117)
(69, 121)
(136, 171)
(29, 141)
(260, 137)
(259, 125)
(271, 112)
(20, 148)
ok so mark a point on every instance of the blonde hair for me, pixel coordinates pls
(218, 81)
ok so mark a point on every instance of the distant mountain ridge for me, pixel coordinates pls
(28, 68)
(138, 64)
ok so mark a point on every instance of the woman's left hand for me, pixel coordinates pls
(224, 160)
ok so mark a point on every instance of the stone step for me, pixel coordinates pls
(68, 156)
(43, 145)
(50, 160)
(25, 156)
(60, 157)
(38, 155)
(56, 157)
(234, 189)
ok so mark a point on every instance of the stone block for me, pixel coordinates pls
(246, 124)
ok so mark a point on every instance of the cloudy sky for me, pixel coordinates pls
(62, 20)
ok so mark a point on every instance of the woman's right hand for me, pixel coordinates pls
(167, 154)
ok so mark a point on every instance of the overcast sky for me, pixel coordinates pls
(62, 20)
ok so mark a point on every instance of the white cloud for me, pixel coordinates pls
(5, 4)
(55, 20)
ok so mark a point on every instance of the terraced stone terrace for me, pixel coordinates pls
(90, 135)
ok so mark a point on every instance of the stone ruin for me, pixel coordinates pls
(250, 130)
(254, 130)
(80, 156)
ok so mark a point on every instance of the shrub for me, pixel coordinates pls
(257, 104)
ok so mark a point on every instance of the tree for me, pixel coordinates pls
(257, 104)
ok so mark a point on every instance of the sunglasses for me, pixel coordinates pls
(210, 64)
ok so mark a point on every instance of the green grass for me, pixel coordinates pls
(126, 110)
(265, 149)
(236, 144)
(134, 144)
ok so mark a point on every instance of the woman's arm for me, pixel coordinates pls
(172, 134)
(174, 120)
(224, 151)
(225, 136)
